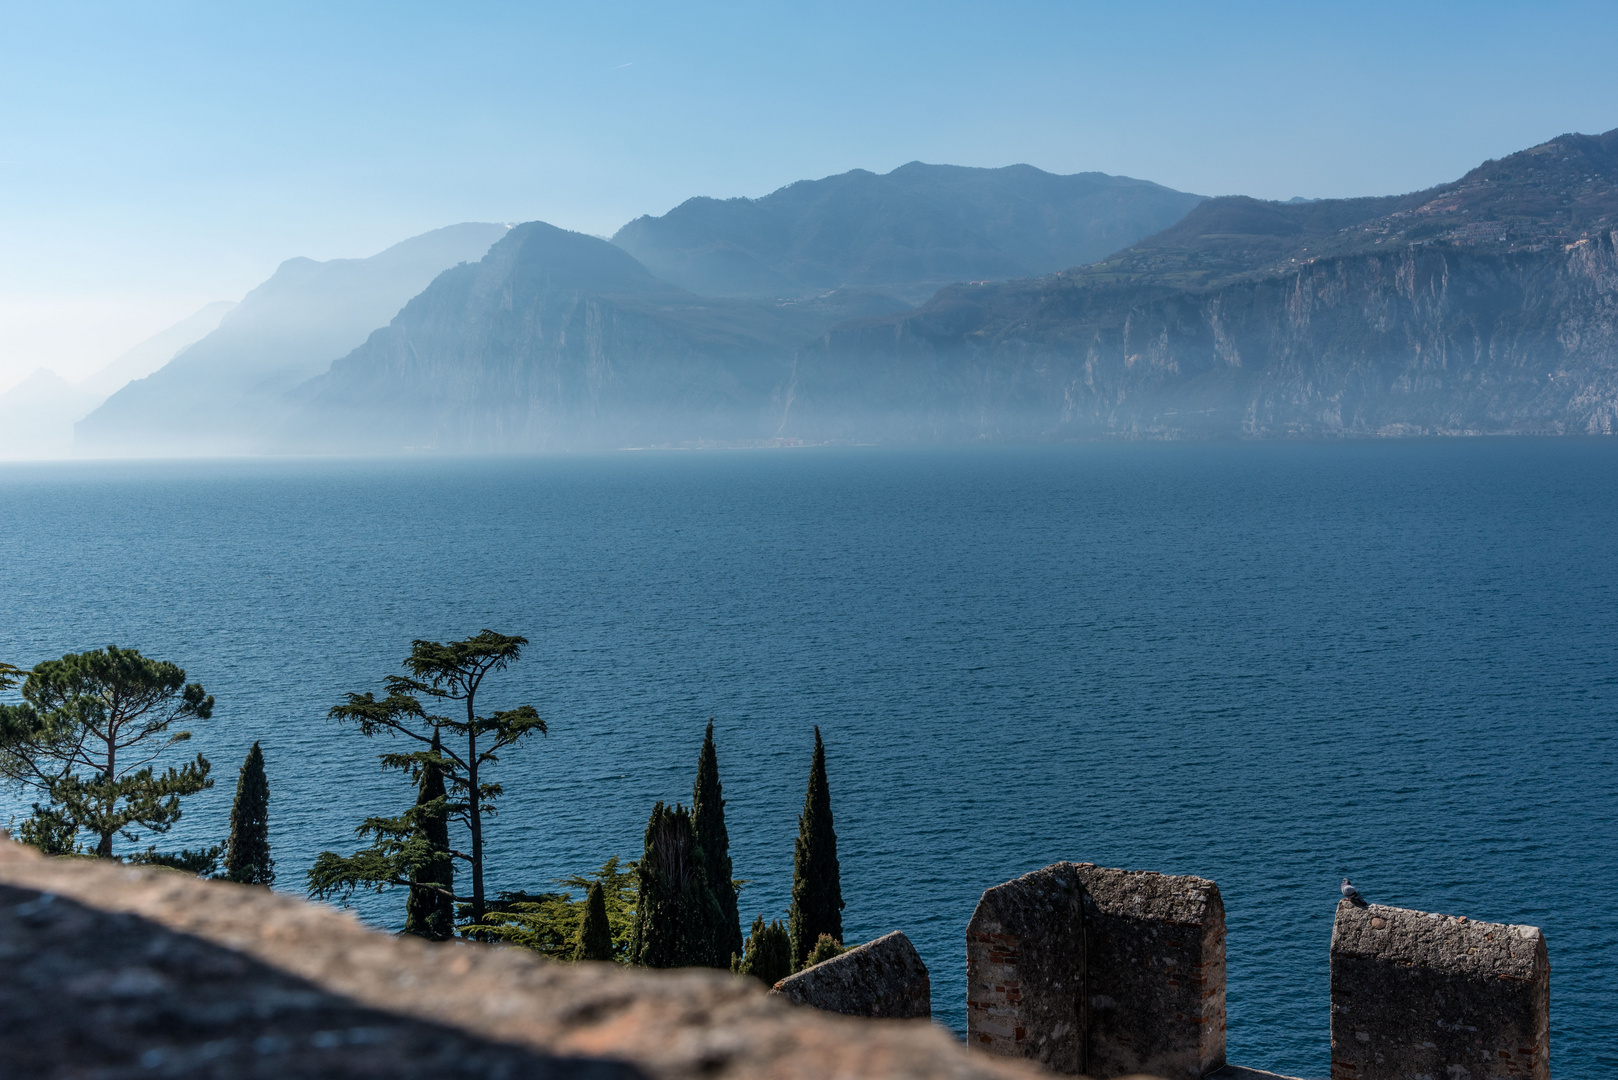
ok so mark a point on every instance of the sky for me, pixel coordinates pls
(157, 156)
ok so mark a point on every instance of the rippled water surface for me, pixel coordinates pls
(1267, 664)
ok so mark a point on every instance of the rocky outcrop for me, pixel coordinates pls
(883, 979)
(117, 971)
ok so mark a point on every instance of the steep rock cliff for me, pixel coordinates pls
(556, 340)
(1424, 339)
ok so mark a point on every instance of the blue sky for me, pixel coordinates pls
(155, 156)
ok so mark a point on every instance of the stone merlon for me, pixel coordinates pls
(1416, 994)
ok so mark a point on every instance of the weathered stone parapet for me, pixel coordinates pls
(1416, 995)
(883, 979)
(118, 971)
(1106, 972)
(1025, 967)
(1156, 973)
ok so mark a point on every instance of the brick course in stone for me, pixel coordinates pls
(1025, 968)
(1416, 995)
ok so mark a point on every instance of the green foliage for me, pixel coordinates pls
(247, 850)
(595, 933)
(460, 742)
(49, 830)
(85, 736)
(400, 854)
(825, 948)
(9, 676)
(550, 923)
(722, 940)
(817, 891)
(768, 953)
(201, 862)
(676, 910)
(430, 907)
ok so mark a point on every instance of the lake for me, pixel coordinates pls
(1268, 664)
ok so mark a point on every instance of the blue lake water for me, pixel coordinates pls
(1269, 664)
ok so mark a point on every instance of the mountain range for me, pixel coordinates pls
(1484, 306)
(1073, 308)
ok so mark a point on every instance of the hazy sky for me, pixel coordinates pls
(156, 156)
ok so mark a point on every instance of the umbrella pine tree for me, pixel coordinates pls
(817, 891)
(247, 851)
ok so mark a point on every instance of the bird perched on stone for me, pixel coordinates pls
(1352, 895)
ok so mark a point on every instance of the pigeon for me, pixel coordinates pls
(1352, 895)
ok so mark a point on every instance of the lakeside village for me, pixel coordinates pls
(87, 738)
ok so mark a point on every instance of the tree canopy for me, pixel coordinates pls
(435, 706)
(86, 736)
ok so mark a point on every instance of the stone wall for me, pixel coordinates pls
(1416, 995)
(1025, 969)
(1106, 972)
(883, 979)
(117, 971)
(1156, 973)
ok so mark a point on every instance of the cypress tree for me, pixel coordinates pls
(430, 912)
(675, 910)
(768, 954)
(247, 852)
(817, 891)
(595, 934)
(724, 940)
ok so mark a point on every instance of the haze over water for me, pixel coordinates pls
(1269, 664)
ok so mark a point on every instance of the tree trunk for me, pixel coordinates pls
(104, 845)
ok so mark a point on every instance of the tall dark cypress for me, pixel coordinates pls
(595, 932)
(817, 890)
(675, 910)
(724, 939)
(247, 852)
(429, 912)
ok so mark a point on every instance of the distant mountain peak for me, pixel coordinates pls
(907, 231)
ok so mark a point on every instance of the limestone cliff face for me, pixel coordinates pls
(1425, 339)
(557, 340)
